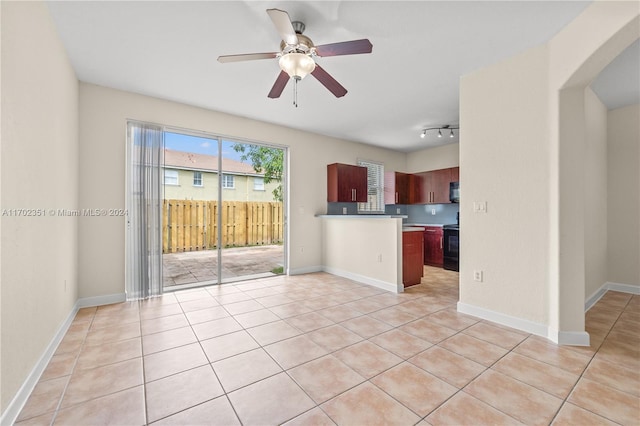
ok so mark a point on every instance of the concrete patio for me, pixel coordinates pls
(201, 267)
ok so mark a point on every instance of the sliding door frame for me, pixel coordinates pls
(285, 187)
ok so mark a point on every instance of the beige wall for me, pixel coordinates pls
(440, 157)
(368, 250)
(242, 191)
(531, 173)
(103, 116)
(39, 171)
(623, 178)
(595, 194)
(509, 170)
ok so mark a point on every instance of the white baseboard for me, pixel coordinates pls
(365, 280)
(108, 299)
(624, 288)
(572, 338)
(569, 338)
(307, 270)
(597, 295)
(503, 319)
(593, 299)
(12, 412)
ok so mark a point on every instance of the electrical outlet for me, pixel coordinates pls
(477, 275)
(433, 212)
(380, 258)
(344, 210)
(398, 210)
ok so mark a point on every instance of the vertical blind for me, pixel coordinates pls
(375, 187)
(145, 143)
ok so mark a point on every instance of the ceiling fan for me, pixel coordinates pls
(297, 55)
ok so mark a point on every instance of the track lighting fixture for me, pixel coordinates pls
(439, 129)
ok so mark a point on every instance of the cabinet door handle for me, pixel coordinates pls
(396, 197)
(440, 242)
(353, 194)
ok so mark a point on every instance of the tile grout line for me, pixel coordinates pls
(565, 401)
(73, 368)
(332, 353)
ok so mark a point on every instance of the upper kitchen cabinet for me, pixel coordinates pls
(455, 174)
(346, 183)
(434, 186)
(399, 188)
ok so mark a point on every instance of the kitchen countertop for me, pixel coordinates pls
(363, 216)
(412, 229)
(440, 225)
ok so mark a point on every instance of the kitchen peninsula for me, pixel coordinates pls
(367, 248)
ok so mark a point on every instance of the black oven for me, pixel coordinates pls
(451, 247)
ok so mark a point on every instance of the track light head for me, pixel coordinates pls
(439, 129)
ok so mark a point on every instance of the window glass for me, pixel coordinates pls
(375, 188)
(197, 178)
(171, 177)
(228, 181)
(258, 184)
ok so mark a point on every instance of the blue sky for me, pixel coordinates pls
(199, 145)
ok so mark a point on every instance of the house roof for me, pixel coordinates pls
(192, 161)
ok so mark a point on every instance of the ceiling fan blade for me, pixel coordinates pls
(353, 47)
(278, 86)
(282, 22)
(329, 82)
(246, 57)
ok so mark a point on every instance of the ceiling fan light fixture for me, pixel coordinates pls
(297, 65)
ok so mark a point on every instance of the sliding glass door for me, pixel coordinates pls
(252, 211)
(223, 210)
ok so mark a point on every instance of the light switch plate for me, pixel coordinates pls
(479, 206)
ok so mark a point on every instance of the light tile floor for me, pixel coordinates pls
(320, 350)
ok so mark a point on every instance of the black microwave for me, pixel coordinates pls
(454, 192)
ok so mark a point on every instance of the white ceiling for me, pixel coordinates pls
(410, 81)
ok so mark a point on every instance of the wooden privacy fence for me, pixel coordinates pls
(190, 225)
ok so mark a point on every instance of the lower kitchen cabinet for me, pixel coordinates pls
(433, 243)
(412, 255)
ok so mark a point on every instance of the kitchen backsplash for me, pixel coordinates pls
(417, 213)
(422, 213)
(352, 208)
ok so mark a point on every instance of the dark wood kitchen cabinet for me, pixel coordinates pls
(396, 188)
(346, 183)
(412, 255)
(455, 174)
(433, 244)
(434, 186)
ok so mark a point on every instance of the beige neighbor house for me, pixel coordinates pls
(535, 139)
(190, 176)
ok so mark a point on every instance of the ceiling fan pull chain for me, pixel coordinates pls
(295, 92)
